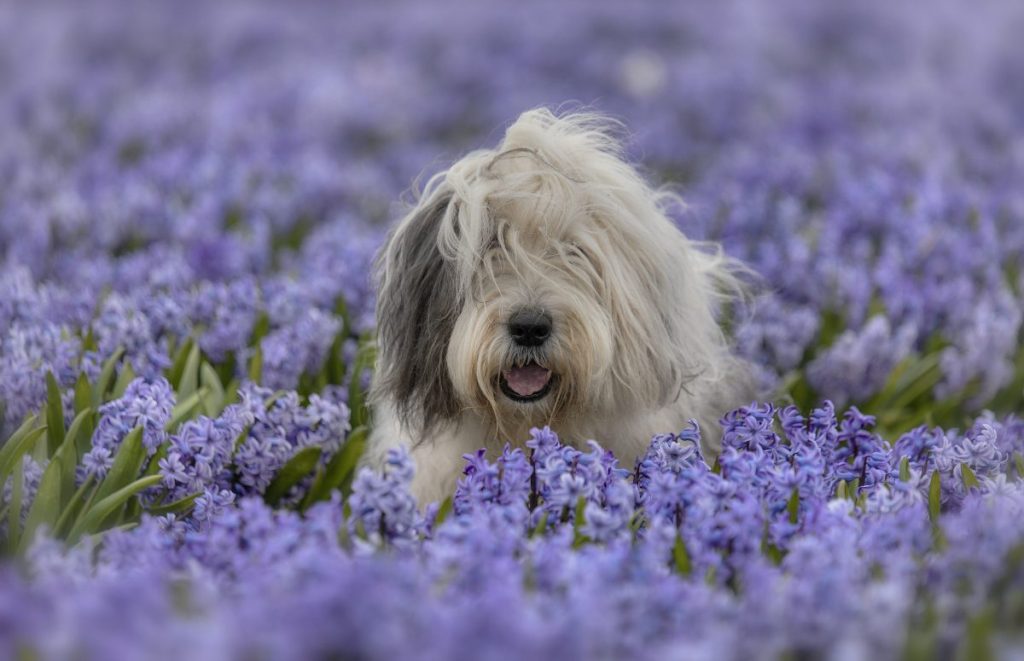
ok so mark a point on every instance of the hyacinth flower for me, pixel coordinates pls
(848, 570)
(383, 510)
(148, 448)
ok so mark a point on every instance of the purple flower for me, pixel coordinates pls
(277, 427)
(858, 364)
(297, 348)
(144, 404)
(383, 510)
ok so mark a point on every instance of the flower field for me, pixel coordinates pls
(191, 197)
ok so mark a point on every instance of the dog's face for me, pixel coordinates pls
(540, 283)
(534, 338)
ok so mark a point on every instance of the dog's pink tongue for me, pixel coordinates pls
(527, 380)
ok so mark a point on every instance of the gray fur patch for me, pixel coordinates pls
(417, 307)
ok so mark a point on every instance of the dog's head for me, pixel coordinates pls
(541, 283)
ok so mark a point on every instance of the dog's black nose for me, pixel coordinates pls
(529, 328)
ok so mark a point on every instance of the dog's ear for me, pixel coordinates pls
(418, 301)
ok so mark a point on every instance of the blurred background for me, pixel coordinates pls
(865, 158)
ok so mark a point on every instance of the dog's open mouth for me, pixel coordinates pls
(527, 383)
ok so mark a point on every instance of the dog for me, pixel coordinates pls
(543, 283)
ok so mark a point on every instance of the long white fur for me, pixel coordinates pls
(554, 218)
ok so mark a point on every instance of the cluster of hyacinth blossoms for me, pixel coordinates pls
(191, 198)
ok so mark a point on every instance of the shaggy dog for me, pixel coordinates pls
(541, 283)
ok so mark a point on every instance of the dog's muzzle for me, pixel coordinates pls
(529, 381)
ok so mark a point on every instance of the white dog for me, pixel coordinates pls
(541, 283)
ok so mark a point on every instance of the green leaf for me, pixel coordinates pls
(69, 454)
(681, 557)
(213, 402)
(72, 509)
(926, 376)
(361, 530)
(153, 465)
(793, 506)
(977, 643)
(542, 525)
(832, 325)
(892, 383)
(339, 470)
(83, 393)
(271, 399)
(242, 436)
(184, 409)
(190, 376)
(861, 500)
(365, 358)
(968, 477)
(256, 365)
(939, 541)
(131, 512)
(1018, 460)
(22, 441)
(54, 415)
(14, 513)
(1011, 397)
(83, 444)
(89, 341)
(841, 490)
(178, 506)
(45, 506)
(579, 539)
(334, 366)
(92, 521)
(921, 642)
(344, 539)
(134, 509)
(912, 375)
(231, 395)
(443, 511)
(99, 391)
(260, 329)
(4, 507)
(227, 368)
(124, 377)
(299, 466)
(905, 469)
(772, 552)
(935, 497)
(126, 466)
(341, 310)
(177, 368)
(936, 343)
